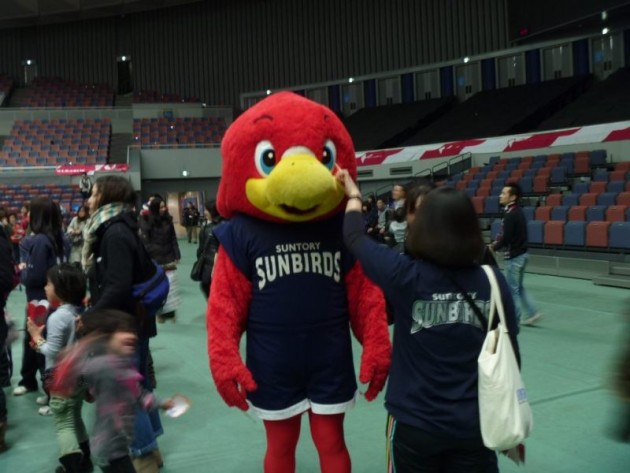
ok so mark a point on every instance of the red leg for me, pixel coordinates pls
(282, 438)
(327, 433)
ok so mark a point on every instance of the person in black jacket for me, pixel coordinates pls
(191, 222)
(6, 285)
(115, 260)
(158, 234)
(208, 245)
(41, 251)
(513, 240)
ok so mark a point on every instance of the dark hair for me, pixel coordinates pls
(115, 189)
(417, 191)
(69, 282)
(211, 207)
(154, 217)
(87, 213)
(46, 219)
(446, 229)
(515, 190)
(108, 322)
(367, 205)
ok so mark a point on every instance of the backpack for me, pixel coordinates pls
(151, 295)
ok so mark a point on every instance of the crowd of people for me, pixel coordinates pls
(94, 349)
(87, 346)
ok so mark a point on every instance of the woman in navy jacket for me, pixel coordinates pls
(432, 390)
(41, 251)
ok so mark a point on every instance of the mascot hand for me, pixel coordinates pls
(233, 389)
(374, 371)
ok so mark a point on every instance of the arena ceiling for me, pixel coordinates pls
(18, 13)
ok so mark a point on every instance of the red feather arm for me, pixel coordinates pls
(369, 324)
(225, 319)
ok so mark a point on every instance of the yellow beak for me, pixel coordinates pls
(300, 188)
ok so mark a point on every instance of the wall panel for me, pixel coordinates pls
(219, 49)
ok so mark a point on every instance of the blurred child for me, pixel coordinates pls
(65, 288)
(104, 359)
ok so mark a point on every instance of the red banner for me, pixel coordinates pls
(77, 170)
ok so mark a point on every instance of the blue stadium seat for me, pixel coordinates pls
(535, 231)
(530, 172)
(491, 205)
(541, 158)
(494, 160)
(512, 165)
(574, 233)
(527, 184)
(619, 235)
(567, 164)
(570, 199)
(470, 192)
(600, 175)
(607, 198)
(529, 212)
(598, 157)
(558, 175)
(567, 156)
(596, 213)
(616, 186)
(503, 174)
(495, 228)
(559, 212)
(581, 188)
(496, 190)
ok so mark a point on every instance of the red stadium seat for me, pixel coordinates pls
(554, 200)
(623, 198)
(577, 213)
(554, 233)
(543, 213)
(478, 204)
(616, 213)
(597, 234)
(582, 165)
(541, 184)
(597, 187)
(588, 199)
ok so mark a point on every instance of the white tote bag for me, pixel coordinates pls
(504, 411)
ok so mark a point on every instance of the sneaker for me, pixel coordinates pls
(44, 411)
(532, 320)
(42, 400)
(20, 391)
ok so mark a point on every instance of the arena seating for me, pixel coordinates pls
(13, 197)
(54, 142)
(388, 125)
(178, 132)
(607, 101)
(510, 110)
(55, 92)
(151, 96)
(591, 215)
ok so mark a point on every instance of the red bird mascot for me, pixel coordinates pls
(283, 276)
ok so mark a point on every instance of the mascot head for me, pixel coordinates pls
(280, 158)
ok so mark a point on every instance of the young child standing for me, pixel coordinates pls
(104, 359)
(65, 287)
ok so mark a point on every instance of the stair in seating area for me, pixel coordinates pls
(118, 147)
(124, 101)
(619, 276)
(18, 97)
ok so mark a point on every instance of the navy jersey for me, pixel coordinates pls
(298, 336)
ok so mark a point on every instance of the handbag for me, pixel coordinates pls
(505, 415)
(196, 273)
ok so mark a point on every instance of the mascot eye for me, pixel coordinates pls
(265, 157)
(329, 155)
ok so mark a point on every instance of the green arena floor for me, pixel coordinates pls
(566, 366)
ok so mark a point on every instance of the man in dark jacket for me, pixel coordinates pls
(513, 240)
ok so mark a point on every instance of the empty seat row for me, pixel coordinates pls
(601, 235)
(610, 213)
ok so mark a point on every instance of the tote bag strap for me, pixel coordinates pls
(496, 301)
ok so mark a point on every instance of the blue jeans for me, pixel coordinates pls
(514, 274)
(147, 425)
